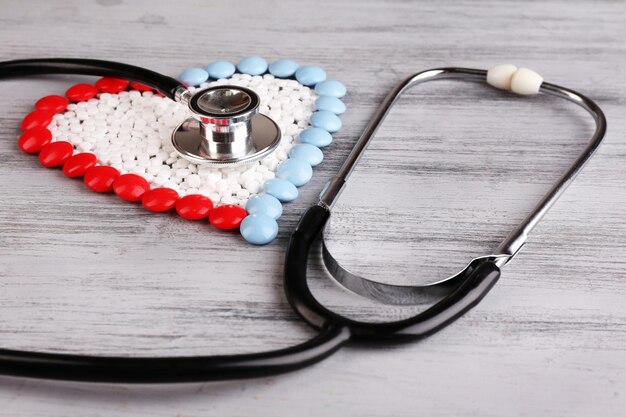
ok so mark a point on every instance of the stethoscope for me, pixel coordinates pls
(226, 128)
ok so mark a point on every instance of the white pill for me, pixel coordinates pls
(243, 193)
(152, 169)
(526, 82)
(193, 180)
(221, 186)
(170, 184)
(214, 177)
(129, 165)
(182, 173)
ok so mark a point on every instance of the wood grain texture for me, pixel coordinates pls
(453, 169)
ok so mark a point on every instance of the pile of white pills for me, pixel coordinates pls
(131, 131)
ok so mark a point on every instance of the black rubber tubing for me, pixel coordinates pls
(458, 302)
(25, 67)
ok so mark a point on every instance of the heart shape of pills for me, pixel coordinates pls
(116, 135)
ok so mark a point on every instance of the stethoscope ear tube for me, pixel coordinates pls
(168, 86)
(470, 291)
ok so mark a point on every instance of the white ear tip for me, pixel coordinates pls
(500, 76)
(526, 82)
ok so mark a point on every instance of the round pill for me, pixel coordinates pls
(331, 88)
(77, 165)
(37, 118)
(220, 69)
(159, 199)
(53, 104)
(227, 216)
(325, 120)
(253, 65)
(331, 104)
(130, 187)
(100, 178)
(310, 75)
(81, 92)
(140, 87)
(259, 229)
(264, 204)
(316, 136)
(111, 85)
(311, 154)
(55, 154)
(283, 68)
(194, 207)
(283, 190)
(32, 140)
(296, 171)
(193, 76)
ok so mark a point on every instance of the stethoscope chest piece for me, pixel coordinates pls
(225, 128)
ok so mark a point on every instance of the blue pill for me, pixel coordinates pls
(283, 190)
(331, 88)
(331, 104)
(325, 120)
(193, 76)
(220, 69)
(264, 204)
(296, 171)
(316, 137)
(310, 75)
(259, 229)
(283, 68)
(253, 65)
(307, 152)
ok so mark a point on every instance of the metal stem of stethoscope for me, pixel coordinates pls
(418, 294)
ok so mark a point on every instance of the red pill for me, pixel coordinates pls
(100, 178)
(139, 87)
(34, 139)
(78, 164)
(227, 216)
(81, 92)
(111, 85)
(55, 154)
(37, 118)
(194, 207)
(53, 104)
(130, 187)
(159, 199)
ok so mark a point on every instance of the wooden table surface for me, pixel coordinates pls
(453, 169)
